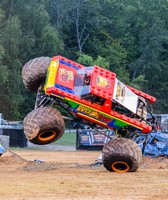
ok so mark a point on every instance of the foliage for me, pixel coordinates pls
(127, 37)
(89, 61)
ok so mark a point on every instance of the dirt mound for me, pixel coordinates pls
(16, 161)
(11, 158)
(37, 165)
(154, 163)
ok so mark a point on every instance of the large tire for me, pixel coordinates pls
(34, 72)
(121, 155)
(44, 125)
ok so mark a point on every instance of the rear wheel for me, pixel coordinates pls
(34, 72)
(44, 125)
(121, 155)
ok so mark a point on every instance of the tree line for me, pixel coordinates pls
(127, 37)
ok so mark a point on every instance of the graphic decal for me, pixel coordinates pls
(103, 82)
(120, 95)
(65, 76)
(94, 114)
(88, 111)
(124, 96)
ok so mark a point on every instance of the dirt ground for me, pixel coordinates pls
(70, 175)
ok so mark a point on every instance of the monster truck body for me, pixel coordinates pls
(96, 95)
(93, 96)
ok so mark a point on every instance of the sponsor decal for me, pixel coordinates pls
(120, 95)
(94, 114)
(125, 96)
(103, 82)
(65, 75)
(104, 118)
(88, 111)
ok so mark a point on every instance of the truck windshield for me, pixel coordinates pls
(83, 81)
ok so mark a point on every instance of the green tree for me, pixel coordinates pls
(3, 68)
(10, 91)
(127, 37)
(89, 61)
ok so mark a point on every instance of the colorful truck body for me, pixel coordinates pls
(93, 92)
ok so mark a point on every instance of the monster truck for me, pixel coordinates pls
(93, 96)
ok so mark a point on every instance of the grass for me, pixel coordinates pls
(68, 139)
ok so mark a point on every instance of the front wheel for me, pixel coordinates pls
(34, 73)
(44, 125)
(121, 155)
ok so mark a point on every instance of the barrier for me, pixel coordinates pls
(16, 137)
(91, 139)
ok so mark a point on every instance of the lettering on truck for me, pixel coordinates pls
(94, 114)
